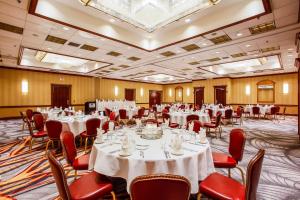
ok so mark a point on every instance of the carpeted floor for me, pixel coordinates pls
(25, 175)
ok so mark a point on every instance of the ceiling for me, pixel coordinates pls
(182, 52)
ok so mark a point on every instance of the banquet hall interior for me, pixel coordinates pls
(149, 99)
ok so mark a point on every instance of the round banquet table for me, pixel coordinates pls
(77, 124)
(180, 117)
(195, 164)
(262, 109)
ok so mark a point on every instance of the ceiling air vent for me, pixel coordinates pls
(113, 53)
(168, 53)
(194, 63)
(191, 47)
(213, 59)
(73, 44)
(133, 58)
(220, 39)
(54, 39)
(11, 28)
(261, 28)
(124, 66)
(88, 47)
(268, 49)
(237, 55)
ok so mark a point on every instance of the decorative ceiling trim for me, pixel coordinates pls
(33, 5)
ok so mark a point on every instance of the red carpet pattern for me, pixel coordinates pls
(26, 175)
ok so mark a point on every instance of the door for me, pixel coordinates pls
(154, 97)
(199, 96)
(220, 95)
(130, 94)
(60, 95)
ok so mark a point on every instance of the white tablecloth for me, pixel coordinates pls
(195, 164)
(77, 124)
(262, 109)
(180, 117)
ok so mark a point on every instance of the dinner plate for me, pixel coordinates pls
(123, 154)
(177, 153)
(141, 147)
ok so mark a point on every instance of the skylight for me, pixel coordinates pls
(149, 14)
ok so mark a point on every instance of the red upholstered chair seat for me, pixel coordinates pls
(222, 160)
(221, 187)
(210, 125)
(81, 162)
(84, 135)
(39, 134)
(90, 186)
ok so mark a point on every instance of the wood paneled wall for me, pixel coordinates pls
(89, 88)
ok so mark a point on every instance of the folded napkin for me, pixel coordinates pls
(138, 122)
(167, 122)
(100, 133)
(176, 143)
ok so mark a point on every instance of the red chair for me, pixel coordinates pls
(228, 116)
(70, 152)
(107, 112)
(105, 126)
(89, 186)
(273, 113)
(140, 113)
(256, 111)
(91, 131)
(182, 107)
(210, 113)
(218, 186)
(197, 125)
(54, 129)
(216, 125)
(166, 116)
(29, 114)
(39, 123)
(154, 108)
(236, 150)
(34, 135)
(192, 117)
(238, 115)
(123, 114)
(24, 120)
(283, 112)
(168, 108)
(164, 111)
(160, 187)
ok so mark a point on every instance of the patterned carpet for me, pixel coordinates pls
(25, 175)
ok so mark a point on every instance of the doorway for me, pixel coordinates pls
(220, 95)
(199, 96)
(130, 94)
(60, 95)
(154, 97)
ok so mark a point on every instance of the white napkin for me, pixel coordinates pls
(111, 126)
(167, 122)
(191, 126)
(176, 143)
(63, 113)
(202, 136)
(138, 122)
(125, 145)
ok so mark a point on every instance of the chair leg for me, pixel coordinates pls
(75, 175)
(113, 195)
(52, 142)
(31, 144)
(229, 173)
(47, 145)
(85, 144)
(242, 173)
(80, 141)
(199, 196)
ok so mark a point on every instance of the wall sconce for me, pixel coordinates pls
(285, 88)
(247, 90)
(24, 87)
(116, 91)
(188, 92)
(170, 92)
(142, 92)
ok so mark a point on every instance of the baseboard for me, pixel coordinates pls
(8, 118)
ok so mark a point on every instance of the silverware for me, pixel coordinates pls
(166, 155)
(142, 154)
(114, 151)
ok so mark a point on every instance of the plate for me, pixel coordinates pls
(177, 153)
(97, 142)
(203, 142)
(123, 154)
(141, 147)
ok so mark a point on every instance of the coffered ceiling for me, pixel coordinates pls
(240, 46)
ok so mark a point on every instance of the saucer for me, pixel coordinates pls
(177, 153)
(97, 142)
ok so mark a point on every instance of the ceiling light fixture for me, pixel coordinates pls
(248, 45)
(112, 20)
(290, 49)
(204, 44)
(65, 28)
(217, 52)
(239, 34)
(187, 20)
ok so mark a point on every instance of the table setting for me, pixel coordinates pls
(139, 150)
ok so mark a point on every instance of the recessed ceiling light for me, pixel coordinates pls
(239, 34)
(187, 20)
(204, 44)
(217, 52)
(49, 48)
(65, 28)
(248, 45)
(112, 20)
(146, 78)
(35, 35)
(290, 49)
(193, 57)
(290, 55)
(157, 80)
